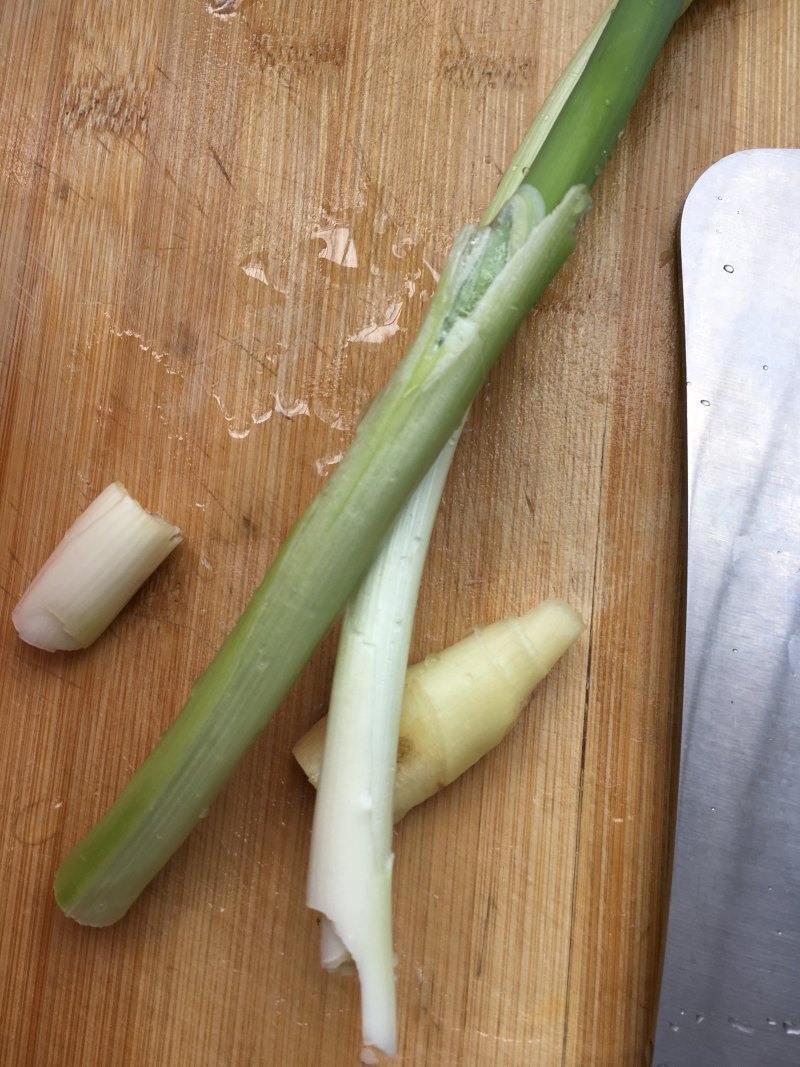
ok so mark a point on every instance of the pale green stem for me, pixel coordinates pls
(350, 866)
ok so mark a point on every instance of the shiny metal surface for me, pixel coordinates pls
(730, 991)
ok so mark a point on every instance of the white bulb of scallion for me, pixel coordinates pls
(110, 550)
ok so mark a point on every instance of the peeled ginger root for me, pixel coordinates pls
(460, 703)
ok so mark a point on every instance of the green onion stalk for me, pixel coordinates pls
(493, 276)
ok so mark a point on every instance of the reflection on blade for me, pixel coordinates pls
(730, 991)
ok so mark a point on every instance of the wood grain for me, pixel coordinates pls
(219, 226)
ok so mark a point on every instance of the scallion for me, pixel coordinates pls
(493, 276)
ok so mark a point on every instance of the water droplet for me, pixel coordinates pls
(742, 1028)
(674, 1027)
(772, 1022)
(37, 822)
(792, 1029)
(765, 366)
(706, 403)
(238, 435)
(255, 269)
(322, 465)
(376, 332)
(700, 1017)
(728, 268)
(225, 10)
(339, 245)
(299, 407)
(261, 268)
(434, 273)
(401, 246)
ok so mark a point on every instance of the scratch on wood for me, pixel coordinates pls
(225, 510)
(485, 925)
(218, 160)
(164, 74)
(286, 55)
(585, 735)
(472, 64)
(102, 105)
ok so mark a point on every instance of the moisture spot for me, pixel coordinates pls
(339, 244)
(37, 822)
(742, 1028)
(706, 403)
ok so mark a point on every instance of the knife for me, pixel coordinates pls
(730, 987)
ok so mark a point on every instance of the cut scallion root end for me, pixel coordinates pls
(107, 554)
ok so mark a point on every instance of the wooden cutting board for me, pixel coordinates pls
(220, 225)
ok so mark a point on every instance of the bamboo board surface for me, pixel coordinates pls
(219, 226)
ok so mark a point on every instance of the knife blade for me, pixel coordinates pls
(730, 987)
